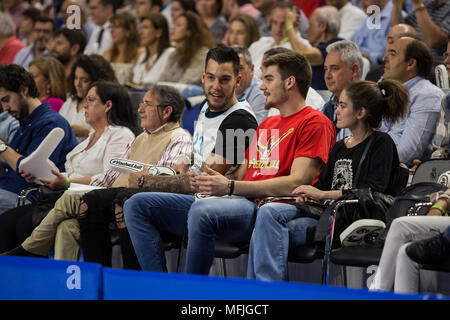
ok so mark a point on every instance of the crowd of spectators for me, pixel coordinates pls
(309, 83)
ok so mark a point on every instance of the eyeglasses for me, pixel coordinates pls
(147, 104)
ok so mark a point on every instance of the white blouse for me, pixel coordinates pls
(95, 161)
(142, 76)
(69, 111)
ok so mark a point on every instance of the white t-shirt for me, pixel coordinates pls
(69, 111)
(258, 48)
(206, 128)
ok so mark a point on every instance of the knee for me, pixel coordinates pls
(201, 215)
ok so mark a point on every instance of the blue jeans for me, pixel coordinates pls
(278, 227)
(148, 213)
(229, 220)
(8, 200)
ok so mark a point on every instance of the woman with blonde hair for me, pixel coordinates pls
(192, 41)
(50, 78)
(123, 53)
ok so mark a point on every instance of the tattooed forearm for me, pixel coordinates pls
(174, 184)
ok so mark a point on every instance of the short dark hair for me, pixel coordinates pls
(32, 13)
(420, 52)
(74, 36)
(45, 20)
(169, 96)
(223, 54)
(292, 64)
(13, 76)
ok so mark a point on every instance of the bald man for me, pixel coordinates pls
(376, 71)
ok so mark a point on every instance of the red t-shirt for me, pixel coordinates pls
(278, 141)
(9, 50)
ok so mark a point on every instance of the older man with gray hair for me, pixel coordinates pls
(324, 26)
(248, 88)
(343, 65)
(9, 44)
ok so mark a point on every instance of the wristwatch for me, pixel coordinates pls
(141, 181)
(3, 147)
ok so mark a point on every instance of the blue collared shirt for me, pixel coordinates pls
(255, 97)
(33, 129)
(413, 134)
(26, 55)
(373, 41)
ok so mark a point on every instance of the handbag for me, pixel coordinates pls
(45, 202)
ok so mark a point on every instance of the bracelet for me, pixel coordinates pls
(230, 187)
(284, 40)
(441, 209)
(290, 27)
(67, 183)
(422, 7)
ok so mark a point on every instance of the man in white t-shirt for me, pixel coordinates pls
(352, 17)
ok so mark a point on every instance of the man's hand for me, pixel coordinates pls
(27, 176)
(210, 182)
(56, 184)
(292, 17)
(134, 176)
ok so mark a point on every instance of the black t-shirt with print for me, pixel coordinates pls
(376, 172)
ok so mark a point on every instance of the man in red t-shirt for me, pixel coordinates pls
(9, 44)
(286, 151)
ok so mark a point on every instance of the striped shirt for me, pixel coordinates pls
(180, 147)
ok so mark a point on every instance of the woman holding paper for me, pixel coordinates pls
(109, 112)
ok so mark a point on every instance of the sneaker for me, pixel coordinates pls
(429, 251)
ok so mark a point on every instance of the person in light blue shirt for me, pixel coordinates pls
(371, 37)
(8, 126)
(409, 61)
(248, 87)
(43, 30)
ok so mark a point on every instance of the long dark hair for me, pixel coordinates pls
(387, 99)
(121, 113)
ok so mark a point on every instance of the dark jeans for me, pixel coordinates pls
(95, 232)
(15, 226)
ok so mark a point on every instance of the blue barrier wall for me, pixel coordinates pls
(34, 278)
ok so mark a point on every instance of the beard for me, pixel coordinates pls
(226, 103)
(22, 110)
(63, 58)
